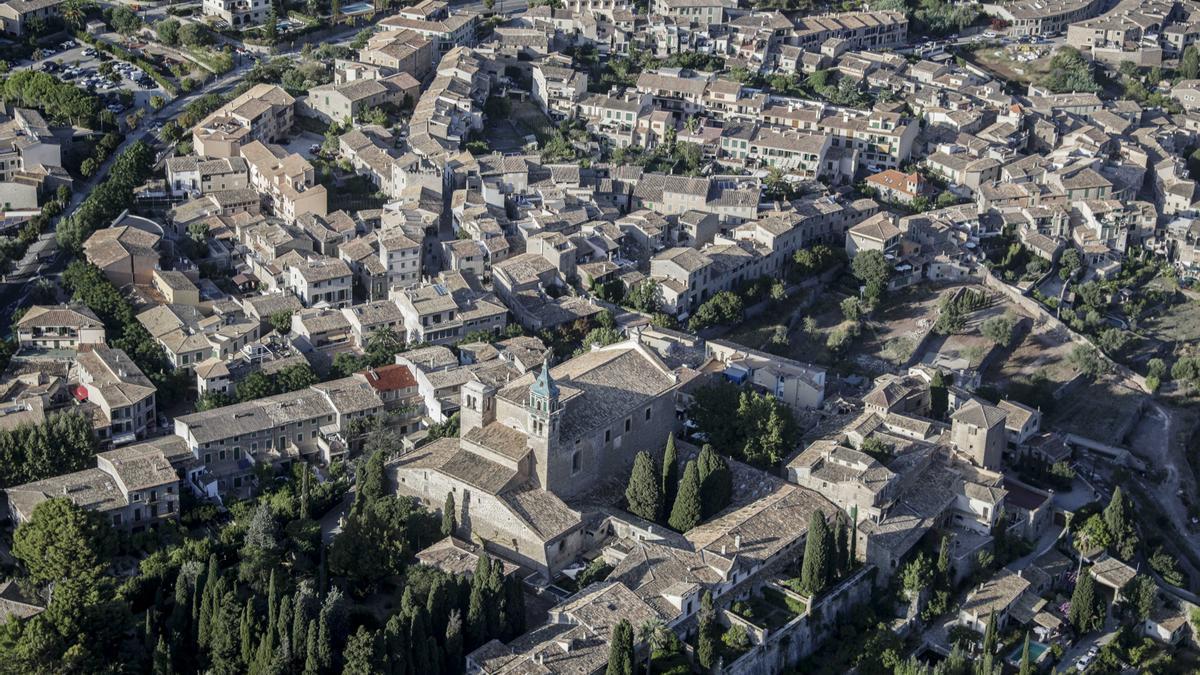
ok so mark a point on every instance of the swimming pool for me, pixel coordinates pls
(357, 8)
(1036, 649)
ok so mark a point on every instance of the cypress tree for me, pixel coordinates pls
(449, 524)
(818, 555)
(312, 659)
(246, 634)
(300, 618)
(272, 602)
(437, 606)
(841, 545)
(706, 640)
(284, 620)
(943, 561)
(716, 482)
(686, 513)
(989, 634)
(1120, 527)
(1083, 614)
(938, 395)
(514, 608)
(418, 639)
(496, 612)
(181, 613)
(161, 664)
(324, 642)
(642, 493)
(454, 643)
(476, 612)
(853, 536)
(620, 650)
(670, 471)
(1026, 663)
(395, 637)
(208, 602)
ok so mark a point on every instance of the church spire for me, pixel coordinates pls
(544, 386)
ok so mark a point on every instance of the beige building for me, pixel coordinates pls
(125, 254)
(264, 113)
(124, 398)
(195, 174)
(238, 13)
(59, 327)
(403, 51)
(287, 182)
(16, 16)
(339, 102)
(977, 430)
(175, 287)
(133, 488)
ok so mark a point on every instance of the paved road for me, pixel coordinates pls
(30, 269)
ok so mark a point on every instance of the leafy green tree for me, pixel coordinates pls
(873, 271)
(670, 471)
(362, 653)
(1189, 64)
(61, 541)
(644, 296)
(999, 329)
(620, 650)
(687, 510)
(453, 644)
(1069, 263)
(1140, 596)
(281, 322)
(818, 555)
(723, 309)
(918, 574)
(642, 494)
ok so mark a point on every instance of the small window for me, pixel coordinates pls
(649, 411)
(628, 424)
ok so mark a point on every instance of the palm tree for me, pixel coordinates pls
(384, 340)
(653, 632)
(75, 11)
(692, 124)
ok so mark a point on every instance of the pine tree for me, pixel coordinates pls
(448, 520)
(1026, 663)
(670, 471)
(246, 634)
(642, 493)
(477, 627)
(685, 514)
(418, 639)
(620, 650)
(706, 639)
(1084, 614)
(818, 555)
(454, 643)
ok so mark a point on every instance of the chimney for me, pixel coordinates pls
(737, 542)
(722, 549)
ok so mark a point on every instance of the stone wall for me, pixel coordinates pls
(784, 647)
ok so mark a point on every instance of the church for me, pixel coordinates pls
(529, 452)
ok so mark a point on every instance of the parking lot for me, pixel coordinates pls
(81, 65)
